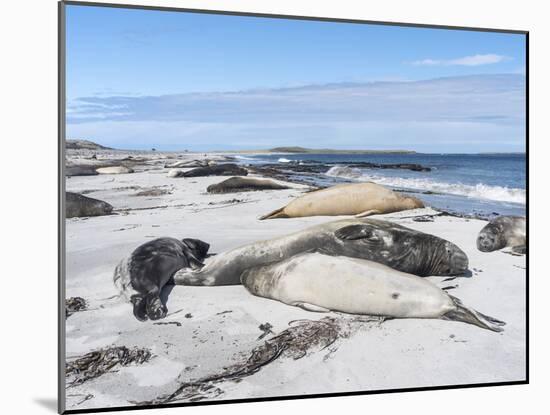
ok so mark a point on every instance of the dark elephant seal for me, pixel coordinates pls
(399, 247)
(80, 171)
(77, 206)
(504, 232)
(244, 184)
(227, 169)
(323, 283)
(141, 276)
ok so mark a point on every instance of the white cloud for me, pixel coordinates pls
(473, 60)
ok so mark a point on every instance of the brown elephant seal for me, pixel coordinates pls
(244, 184)
(318, 282)
(359, 199)
(77, 206)
(141, 276)
(504, 232)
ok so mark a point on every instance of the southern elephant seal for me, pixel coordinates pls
(227, 169)
(360, 199)
(141, 276)
(244, 184)
(396, 246)
(503, 232)
(190, 163)
(77, 206)
(80, 171)
(114, 170)
(399, 247)
(318, 282)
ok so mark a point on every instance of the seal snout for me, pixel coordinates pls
(458, 260)
(485, 242)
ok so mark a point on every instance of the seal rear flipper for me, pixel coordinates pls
(311, 307)
(278, 213)
(468, 315)
(140, 311)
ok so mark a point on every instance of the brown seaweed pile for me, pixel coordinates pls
(73, 305)
(94, 364)
(295, 342)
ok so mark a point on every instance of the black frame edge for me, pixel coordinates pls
(61, 398)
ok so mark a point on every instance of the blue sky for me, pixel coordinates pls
(142, 79)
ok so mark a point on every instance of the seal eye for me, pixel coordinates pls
(395, 296)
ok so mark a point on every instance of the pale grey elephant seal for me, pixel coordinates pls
(77, 206)
(399, 247)
(359, 199)
(318, 282)
(244, 184)
(504, 232)
(115, 170)
(141, 276)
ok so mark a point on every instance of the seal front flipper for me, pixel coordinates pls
(311, 307)
(368, 213)
(521, 250)
(353, 232)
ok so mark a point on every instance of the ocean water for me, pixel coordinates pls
(481, 184)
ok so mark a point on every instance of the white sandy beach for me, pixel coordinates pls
(220, 325)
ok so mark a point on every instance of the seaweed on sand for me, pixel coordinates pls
(73, 305)
(94, 364)
(295, 342)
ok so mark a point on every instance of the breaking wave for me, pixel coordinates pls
(283, 160)
(478, 191)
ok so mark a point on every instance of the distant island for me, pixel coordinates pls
(84, 145)
(302, 150)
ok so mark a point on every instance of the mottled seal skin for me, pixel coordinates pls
(360, 199)
(150, 267)
(78, 206)
(323, 283)
(396, 246)
(227, 169)
(504, 232)
(244, 184)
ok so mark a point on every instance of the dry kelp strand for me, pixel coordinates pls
(73, 305)
(302, 337)
(95, 364)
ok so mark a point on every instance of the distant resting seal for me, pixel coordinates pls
(77, 206)
(115, 170)
(190, 163)
(503, 232)
(318, 282)
(244, 184)
(80, 171)
(360, 199)
(227, 169)
(150, 267)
